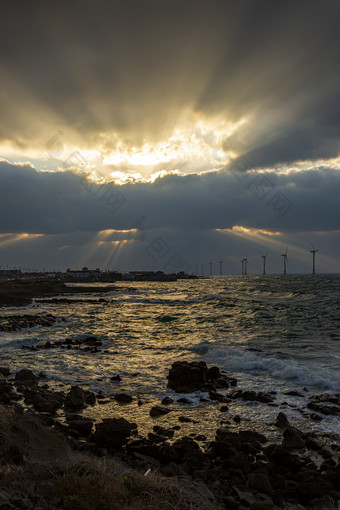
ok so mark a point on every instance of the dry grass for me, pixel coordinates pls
(37, 462)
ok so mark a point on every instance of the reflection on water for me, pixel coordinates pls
(270, 332)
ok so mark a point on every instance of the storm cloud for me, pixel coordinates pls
(220, 120)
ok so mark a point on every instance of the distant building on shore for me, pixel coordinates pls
(83, 274)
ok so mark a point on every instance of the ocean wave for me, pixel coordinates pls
(239, 360)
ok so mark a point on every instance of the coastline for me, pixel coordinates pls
(22, 292)
(235, 469)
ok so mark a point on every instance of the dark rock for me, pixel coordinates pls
(163, 431)
(293, 439)
(237, 418)
(185, 419)
(312, 443)
(183, 400)
(280, 456)
(156, 411)
(213, 373)
(116, 378)
(251, 396)
(185, 377)
(185, 445)
(313, 489)
(230, 503)
(200, 437)
(90, 398)
(224, 409)
(156, 438)
(75, 398)
(82, 425)
(323, 408)
(123, 398)
(260, 482)
(5, 371)
(25, 375)
(315, 417)
(292, 393)
(281, 421)
(218, 396)
(112, 432)
(251, 436)
(167, 401)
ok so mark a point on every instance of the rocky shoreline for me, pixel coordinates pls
(22, 292)
(17, 322)
(238, 470)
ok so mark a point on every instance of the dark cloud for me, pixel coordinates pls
(65, 202)
(134, 67)
(110, 72)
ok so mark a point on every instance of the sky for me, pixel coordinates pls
(163, 135)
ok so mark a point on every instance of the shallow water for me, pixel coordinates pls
(272, 333)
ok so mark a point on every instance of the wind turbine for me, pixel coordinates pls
(285, 260)
(313, 251)
(220, 266)
(210, 266)
(264, 262)
(196, 270)
(242, 262)
(202, 267)
(245, 260)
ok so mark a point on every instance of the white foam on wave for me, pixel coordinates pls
(239, 360)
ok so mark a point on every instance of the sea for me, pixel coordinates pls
(272, 333)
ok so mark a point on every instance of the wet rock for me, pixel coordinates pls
(90, 398)
(218, 397)
(281, 421)
(185, 419)
(251, 396)
(183, 400)
(17, 322)
(167, 401)
(320, 403)
(324, 408)
(123, 398)
(116, 378)
(113, 432)
(156, 438)
(157, 411)
(25, 375)
(315, 417)
(292, 393)
(185, 377)
(163, 431)
(214, 373)
(75, 398)
(224, 409)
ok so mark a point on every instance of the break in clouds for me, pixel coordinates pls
(131, 75)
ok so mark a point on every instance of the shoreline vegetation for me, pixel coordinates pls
(55, 457)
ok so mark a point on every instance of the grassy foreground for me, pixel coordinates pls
(38, 469)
